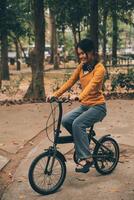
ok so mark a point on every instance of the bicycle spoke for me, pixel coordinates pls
(107, 155)
(47, 181)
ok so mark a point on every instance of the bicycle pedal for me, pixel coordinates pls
(92, 165)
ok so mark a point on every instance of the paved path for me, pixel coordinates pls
(31, 118)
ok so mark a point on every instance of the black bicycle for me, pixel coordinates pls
(48, 170)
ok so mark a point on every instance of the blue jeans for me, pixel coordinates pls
(77, 120)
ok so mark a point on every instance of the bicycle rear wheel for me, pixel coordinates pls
(44, 178)
(106, 156)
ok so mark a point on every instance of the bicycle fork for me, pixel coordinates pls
(51, 153)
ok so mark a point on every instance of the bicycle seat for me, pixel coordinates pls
(91, 131)
(91, 128)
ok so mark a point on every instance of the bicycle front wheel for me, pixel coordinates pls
(47, 173)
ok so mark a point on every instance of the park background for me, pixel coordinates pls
(37, 55)
(40, 37)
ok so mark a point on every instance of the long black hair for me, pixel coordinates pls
(87, 45)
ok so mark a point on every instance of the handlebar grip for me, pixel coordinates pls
(60, 100)
(53, 99)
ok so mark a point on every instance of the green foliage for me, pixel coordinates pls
(104, 81)
(69, 46)
(68, 13)
(16, 18)
(123, 80)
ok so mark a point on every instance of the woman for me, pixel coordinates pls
(90, 72)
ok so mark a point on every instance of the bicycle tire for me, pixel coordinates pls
(96, 150)
(32, 182)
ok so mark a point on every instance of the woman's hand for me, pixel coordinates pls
(50, 98)
(74, 98)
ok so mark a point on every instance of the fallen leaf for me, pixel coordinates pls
(31, 143)
(81, 179)
(10, 175)
(21, 147)
(2, 144)
(21, 197)
(114, 190)
(16, 143)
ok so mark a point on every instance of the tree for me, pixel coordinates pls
(94, 22)
(4, 40)
(17, 54)
(36, 88)
(21, 25)
(54, 42)
(69, 14)
(75, 13)
(14, 24)
(115, 31)
(105, 11)
(0, 73)
(120, 10)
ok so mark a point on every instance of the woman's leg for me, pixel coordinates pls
(69, 117)
(83, 121)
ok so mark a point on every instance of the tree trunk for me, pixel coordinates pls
(79, 33)
(75, 41)
(94, 22)
(17, 55)
(64, 42)
(115, 32)
(4, 56)
(22, 49)
(36, 88)
(105, 14)
(4, 41)
(56, 55)
(52, 37)
(0, 75)
(54, 45)
(75, 36)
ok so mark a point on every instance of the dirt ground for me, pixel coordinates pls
(16, 88)
(22, 138)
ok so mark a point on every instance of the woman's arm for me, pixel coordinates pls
(71, 81)
(93, 84)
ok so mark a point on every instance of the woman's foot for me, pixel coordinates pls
(84, 166)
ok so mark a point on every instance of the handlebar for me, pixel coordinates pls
(60, 100)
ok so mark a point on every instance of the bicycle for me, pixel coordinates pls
(48, 170)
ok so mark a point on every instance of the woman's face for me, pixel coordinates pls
(85, 57)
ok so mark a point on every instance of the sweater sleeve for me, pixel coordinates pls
(92, 85)
(71, 81)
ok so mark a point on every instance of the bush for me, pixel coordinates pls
(123, 80)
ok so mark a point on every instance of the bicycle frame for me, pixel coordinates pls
(69, 139)
(60, 139)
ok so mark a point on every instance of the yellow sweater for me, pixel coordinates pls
(91, 84)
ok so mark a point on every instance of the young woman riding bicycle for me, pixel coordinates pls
(90, 72)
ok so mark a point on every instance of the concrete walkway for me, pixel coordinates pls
(117, 186)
